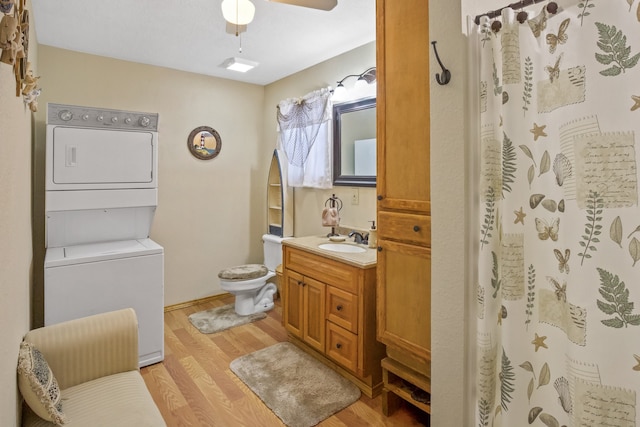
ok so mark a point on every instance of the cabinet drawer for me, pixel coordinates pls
(331, 272)
(342, 308)
(409, 228)
(342, 346)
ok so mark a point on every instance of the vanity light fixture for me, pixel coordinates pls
(367, 77)
(238, 64)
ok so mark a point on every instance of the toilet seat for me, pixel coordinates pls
(246, 285)
(243, 272)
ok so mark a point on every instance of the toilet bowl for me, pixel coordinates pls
(250, 284)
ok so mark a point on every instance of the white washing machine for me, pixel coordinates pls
(101, 197)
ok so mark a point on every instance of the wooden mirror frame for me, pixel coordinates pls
(338, 177)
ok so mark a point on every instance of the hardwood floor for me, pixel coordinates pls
(194, 386)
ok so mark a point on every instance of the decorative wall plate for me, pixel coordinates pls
(204, 142)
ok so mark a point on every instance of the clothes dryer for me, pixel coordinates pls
(101, 197)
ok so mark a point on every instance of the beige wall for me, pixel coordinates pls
(15, 232)
(211, 213)
(310, 202)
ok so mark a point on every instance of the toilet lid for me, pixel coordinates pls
(243, 272)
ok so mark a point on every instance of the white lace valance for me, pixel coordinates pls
(304, 134)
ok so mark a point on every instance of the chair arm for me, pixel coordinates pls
(92, 347)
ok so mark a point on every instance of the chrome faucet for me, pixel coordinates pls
(359, 237)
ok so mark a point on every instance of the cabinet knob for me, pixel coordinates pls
(300, 283)
(416, 228)
(339, 307)
(379, 248)
(338, 346)
(379, 197)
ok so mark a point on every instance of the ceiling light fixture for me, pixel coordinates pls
(238, 64)
(238, 12)
(367, 77)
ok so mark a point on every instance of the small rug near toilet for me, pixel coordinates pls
(221, 318)
(300, 390)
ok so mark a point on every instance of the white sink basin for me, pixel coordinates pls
(342, 247)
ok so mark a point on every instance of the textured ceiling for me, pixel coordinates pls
(190, 35)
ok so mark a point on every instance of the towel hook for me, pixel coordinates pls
(446, 74)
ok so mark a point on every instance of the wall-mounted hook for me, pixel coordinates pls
(446, 74)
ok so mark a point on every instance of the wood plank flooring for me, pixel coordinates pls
(194, 386)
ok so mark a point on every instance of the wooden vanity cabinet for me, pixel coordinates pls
(404, 201)
(304, 311)
(329, 311)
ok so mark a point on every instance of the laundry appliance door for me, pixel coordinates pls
(86, 158)
(89, 279)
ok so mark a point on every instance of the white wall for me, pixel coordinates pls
(15, 232)
(451, 380)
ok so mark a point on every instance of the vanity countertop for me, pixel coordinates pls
(367, 259)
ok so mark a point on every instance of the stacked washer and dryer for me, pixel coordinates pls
(101, 197)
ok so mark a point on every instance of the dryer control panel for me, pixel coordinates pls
(91, 117)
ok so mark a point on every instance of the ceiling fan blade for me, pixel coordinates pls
(313, 4)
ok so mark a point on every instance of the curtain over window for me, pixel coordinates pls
(304, 134)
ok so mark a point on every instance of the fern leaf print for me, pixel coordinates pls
(616, 302)
(592, 228)
(489, 217)
(531, 294)
(507, 379)
(616, 53)
(528, 84)
(495, 282)
(508, 164)
(585, 6)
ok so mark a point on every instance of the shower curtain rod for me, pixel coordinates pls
(515, 6)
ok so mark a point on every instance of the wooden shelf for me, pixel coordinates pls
(401, 382)
(279, 198)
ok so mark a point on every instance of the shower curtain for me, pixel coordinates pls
(558, 225)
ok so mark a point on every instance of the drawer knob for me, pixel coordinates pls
(339, 307)
(416, 228)
(338, 346)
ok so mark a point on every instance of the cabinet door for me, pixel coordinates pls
(404, 297)
(292, 307)
(314, 318)
(403, 105)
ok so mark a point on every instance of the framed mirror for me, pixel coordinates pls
(354, 143)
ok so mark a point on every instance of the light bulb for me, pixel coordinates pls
(239, 12)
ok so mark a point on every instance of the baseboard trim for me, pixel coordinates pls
(195, 302)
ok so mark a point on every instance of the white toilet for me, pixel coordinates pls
(249, 282)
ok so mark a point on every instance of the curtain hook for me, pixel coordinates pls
(446, 74)
(522, 15)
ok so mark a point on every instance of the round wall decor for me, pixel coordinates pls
(204, 142)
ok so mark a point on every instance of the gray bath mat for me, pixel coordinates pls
(221, 318)
(300, 390)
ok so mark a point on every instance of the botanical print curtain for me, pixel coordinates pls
(558, 292)
(305, 135)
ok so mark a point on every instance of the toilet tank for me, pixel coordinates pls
(272, 251)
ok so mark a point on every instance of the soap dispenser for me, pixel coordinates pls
(373, 235)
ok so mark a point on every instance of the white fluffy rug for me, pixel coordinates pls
(221, 318)
(300, 390)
